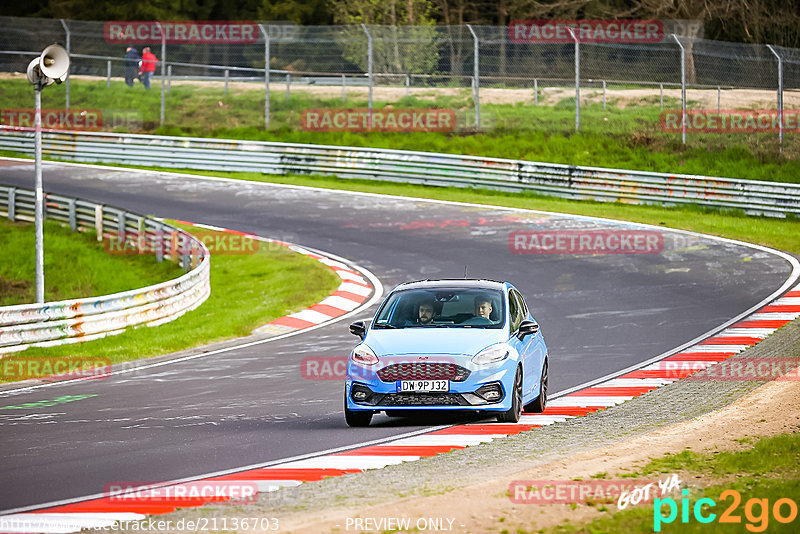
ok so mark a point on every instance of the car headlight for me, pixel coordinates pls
(493, 354)
(363, 355)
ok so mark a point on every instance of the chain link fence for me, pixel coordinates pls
(466, 68)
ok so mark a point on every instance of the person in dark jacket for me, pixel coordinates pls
(131, 65)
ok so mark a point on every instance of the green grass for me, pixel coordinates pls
(768, 470)
(628, 137)
(75, 265)
(247, 291)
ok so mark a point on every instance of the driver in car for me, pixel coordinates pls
(425, 314)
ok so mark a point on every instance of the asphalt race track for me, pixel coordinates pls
(599, 313)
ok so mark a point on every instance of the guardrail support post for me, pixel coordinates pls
(476, 80)
(158, 242)
(683, 88)
(121, 227)
(169, 78)
(98, 221)
(535, 91)
(344, 89)
(69, 53)
(288, 85)
(108, 73)
(780, 98)
(227, 75)
(369, 71)
(408, 85)
(12, 197)
(73, 223)
(577, 80)
(266, 74)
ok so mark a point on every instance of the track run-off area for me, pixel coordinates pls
(603, 314)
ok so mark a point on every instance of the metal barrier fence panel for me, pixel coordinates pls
(76, 320)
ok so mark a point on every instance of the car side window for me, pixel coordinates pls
(515, 309)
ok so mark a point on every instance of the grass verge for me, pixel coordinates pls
(75, 265)
(247, 291)
(746, 483)
(624, 136)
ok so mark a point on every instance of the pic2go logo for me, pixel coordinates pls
(756, 511)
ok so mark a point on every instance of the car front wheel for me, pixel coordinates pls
(514, 413)
(356, 418)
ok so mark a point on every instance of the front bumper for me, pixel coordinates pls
(364, 390)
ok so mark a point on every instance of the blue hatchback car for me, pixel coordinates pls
(448, 345)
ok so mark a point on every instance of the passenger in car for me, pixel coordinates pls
(483, 307)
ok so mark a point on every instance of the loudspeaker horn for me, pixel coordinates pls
(54, 63)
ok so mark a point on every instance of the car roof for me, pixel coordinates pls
(453, 282)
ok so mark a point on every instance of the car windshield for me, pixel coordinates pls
(443, 308)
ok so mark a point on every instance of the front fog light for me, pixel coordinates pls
(491, 392)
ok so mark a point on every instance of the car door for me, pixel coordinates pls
(516, 315)
(531, 349)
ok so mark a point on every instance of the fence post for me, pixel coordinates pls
(661, 96)
(780, 98)
(227, 74)
(163, 70)
(344, 88)
(369, 70)
(535, 91)
(69, 51)
(266, 75)
(12, 198)
(108, 74)
(683, 89)
(288, 85)
(476, 80)
(408, 85)
(604, 94)
(169, 78)
(577, 80)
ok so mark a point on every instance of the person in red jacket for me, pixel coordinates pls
(148, 67)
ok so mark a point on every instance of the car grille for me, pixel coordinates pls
(423, 371)
(424, 399)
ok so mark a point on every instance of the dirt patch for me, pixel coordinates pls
(15, 290)
(483, 507)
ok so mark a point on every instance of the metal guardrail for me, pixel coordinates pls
(70, 321)
(567, 181)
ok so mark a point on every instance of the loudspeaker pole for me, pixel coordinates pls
(39, 209)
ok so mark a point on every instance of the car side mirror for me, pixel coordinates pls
(358, 328)
(527, 327)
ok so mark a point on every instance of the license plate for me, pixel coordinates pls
(423, 386)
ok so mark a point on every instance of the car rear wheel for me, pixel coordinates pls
(356, 418)
(514, 413)
(540, 403)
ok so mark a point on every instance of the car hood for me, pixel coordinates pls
(462, 341)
